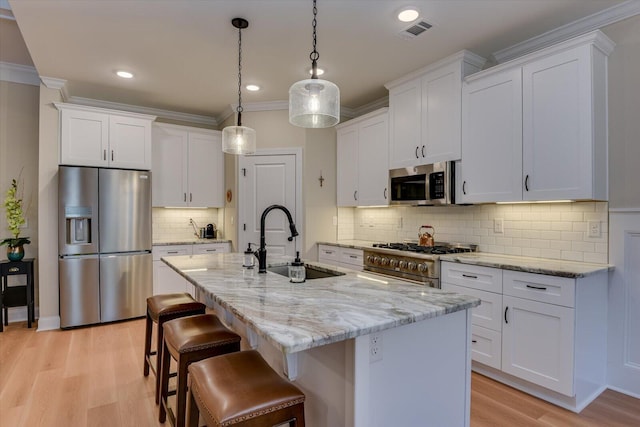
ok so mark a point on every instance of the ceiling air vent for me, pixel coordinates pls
(415, 30)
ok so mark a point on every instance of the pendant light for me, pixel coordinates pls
(239, 139)
(314, 103)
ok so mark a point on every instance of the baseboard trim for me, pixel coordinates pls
(48, 323)
(623, 391)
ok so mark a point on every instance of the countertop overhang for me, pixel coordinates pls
(298, 316)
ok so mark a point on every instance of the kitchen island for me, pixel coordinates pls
(366, 350)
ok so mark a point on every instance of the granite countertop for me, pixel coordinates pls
(190, 241)
(551, 267)
(296, 317)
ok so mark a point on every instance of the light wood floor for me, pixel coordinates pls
(93, 377)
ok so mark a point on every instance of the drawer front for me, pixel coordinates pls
(354, 257)
(540, 287)
(489, 313)
(472, 276)
(328, 254)
(211, 248)
(486, 346)
(162, 251)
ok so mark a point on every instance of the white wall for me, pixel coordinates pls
(624, 196)
(19, 159)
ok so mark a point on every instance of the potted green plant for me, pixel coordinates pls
(15, 218)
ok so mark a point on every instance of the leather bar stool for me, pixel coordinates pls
(162, 308)
(187, 340)
(241, 390)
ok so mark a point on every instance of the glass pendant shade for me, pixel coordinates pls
(314, 103)
(238, 140)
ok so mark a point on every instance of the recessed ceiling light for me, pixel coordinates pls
(319, 71)
(124, 74)
(408, 14)
(252, 88)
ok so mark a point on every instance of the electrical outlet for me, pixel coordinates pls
(593, 228)
(498, 225)
(375, 347)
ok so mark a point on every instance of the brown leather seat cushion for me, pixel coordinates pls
(170, 304)
(238, 386)
(198, 332)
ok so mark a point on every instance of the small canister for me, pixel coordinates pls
(249, 258)
(297, 272)
(202, 232)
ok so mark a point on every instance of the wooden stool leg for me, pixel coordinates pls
(147, 344)
(193, 412)
(159, 357)
(181, 391)
(164, 383)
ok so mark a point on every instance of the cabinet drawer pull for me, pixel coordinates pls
(464, 186)
(353, 256)
(526, 183)
(355, 195)
(328, 252)
(469, 276)
(112, 155)
(104, 155)
(540, 288)
(210, 250)
(474, 341)
(172, 252)
(417, 157)
(191, 197)
(385, 194)
(185, 197)
(505, 314)
(423, 151)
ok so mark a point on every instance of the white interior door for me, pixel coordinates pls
(265, 180)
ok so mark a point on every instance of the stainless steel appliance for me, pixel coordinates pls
(423, 185)
(104, 244)
(410, 261)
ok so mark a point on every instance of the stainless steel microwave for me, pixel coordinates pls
(423, 185)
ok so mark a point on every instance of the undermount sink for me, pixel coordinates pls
(312, 272)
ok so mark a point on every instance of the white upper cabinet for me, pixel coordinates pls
(535, 128)
(188, 167)
(491, 168)
(362, 164)
(106, 138)
(424, 112)
(564, 125)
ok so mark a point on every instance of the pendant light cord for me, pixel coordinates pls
(314, 55)
(239, 109)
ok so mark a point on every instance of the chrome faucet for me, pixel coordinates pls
(261, 253)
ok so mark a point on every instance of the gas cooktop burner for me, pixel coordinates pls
(436, 250)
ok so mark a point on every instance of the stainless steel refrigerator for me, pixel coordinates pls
(104, 244)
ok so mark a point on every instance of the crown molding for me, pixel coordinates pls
(371, 106)
(16, 73)
(165, 114)
(598, 20)
(58, 84)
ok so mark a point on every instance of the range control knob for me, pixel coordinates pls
(423, 267)
(402, 264)
(412, 265)
(376, 260)
(369, 259)
(384, 261)
(393, 263)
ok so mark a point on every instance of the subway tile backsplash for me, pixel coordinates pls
(173, 224)
(540, 230)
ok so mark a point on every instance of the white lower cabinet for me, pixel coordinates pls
(545, 335)
(165, 279)
(341, 257)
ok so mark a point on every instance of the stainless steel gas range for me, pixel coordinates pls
(409, 261)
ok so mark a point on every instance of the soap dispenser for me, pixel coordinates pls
(249, 258)
(297, 273)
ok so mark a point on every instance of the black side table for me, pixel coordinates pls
(16, 295)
